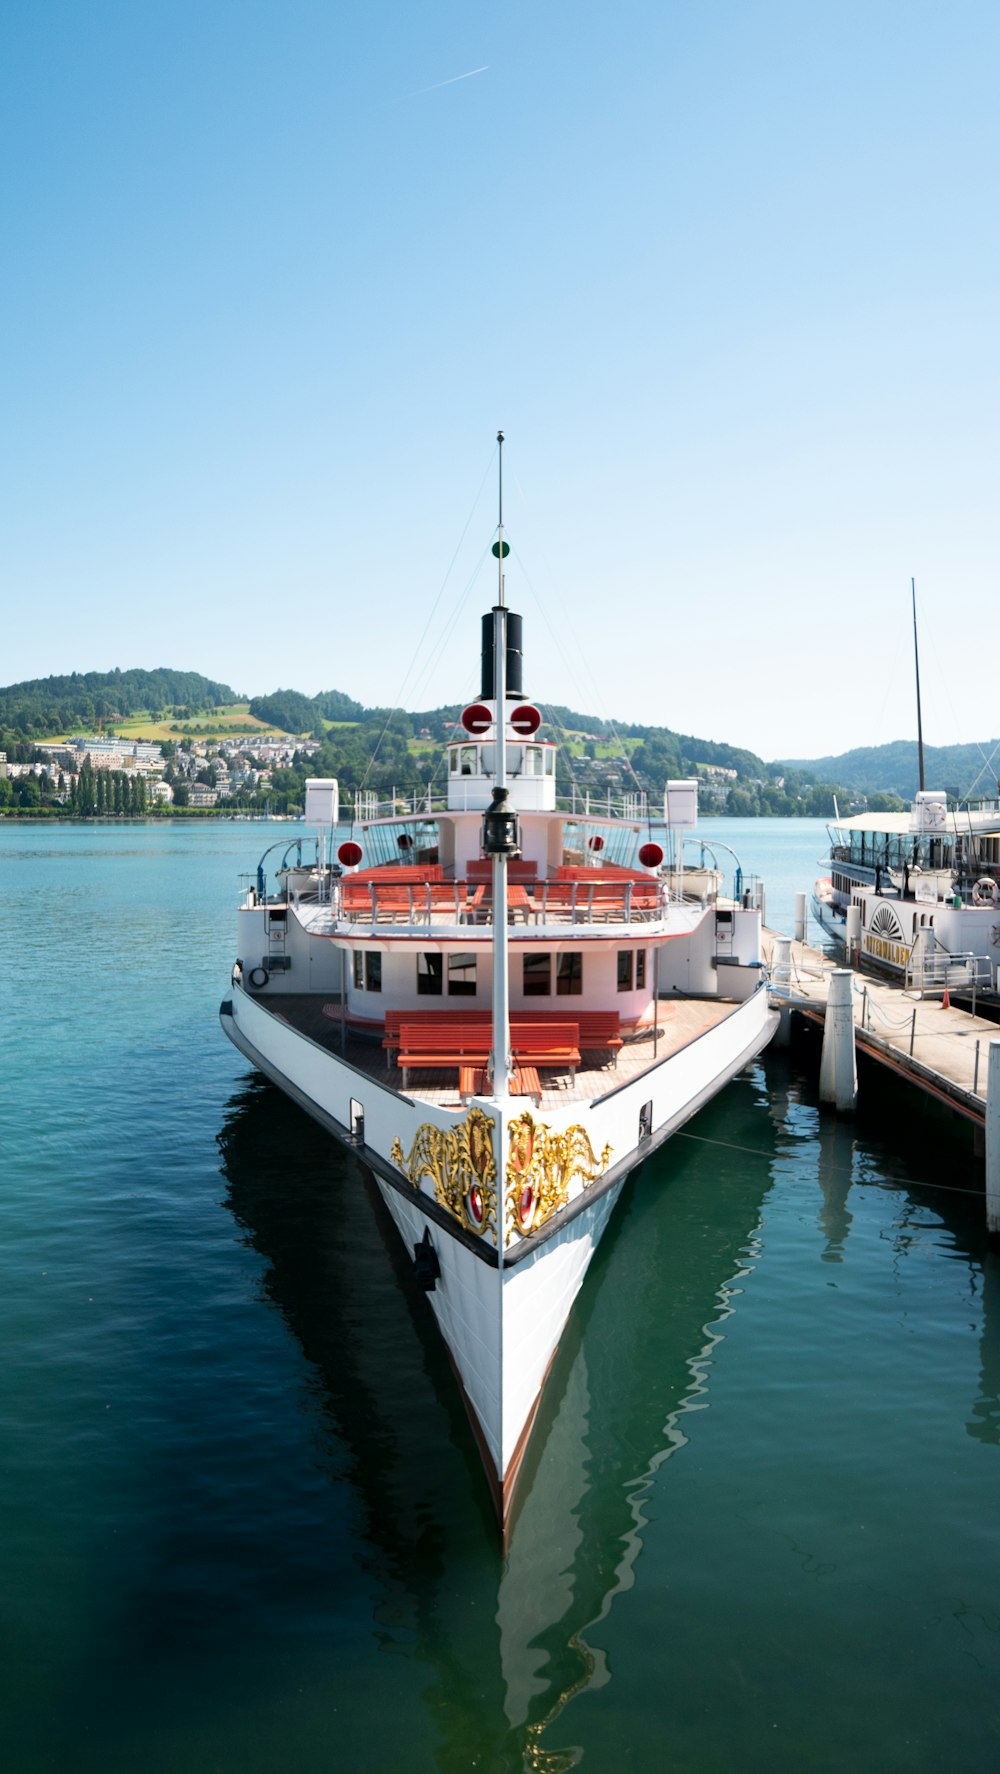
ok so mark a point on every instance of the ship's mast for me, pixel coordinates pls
(916, 662)
(500, 1057)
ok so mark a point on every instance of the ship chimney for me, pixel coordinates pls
(514, 658)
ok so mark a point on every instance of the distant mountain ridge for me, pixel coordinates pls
(893, 769)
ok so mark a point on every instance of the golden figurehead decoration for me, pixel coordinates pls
(541, 1166)
(460, 1163)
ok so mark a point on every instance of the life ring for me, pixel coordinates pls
(259, 977)
(985, 891)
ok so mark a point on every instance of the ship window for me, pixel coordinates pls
(537, 976)
(532, 760)
(624, 970)
(550, 762)
(359, 969)
(373, 971)
(640, 969)
(453, 760)
(461, 976)
(469, 760)
(569, 974)
(430, 976)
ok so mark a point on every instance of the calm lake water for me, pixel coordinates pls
(244, 1523)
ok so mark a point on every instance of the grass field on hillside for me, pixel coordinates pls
(612, 748)
(229, 722)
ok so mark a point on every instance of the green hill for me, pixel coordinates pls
(892, 769)
(389, 749)
(74, 704)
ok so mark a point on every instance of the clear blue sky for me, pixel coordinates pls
(726, 274)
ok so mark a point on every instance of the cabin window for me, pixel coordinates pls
(550, 761)
(461, 976)
(532, 760)
(537, 977)
(359, 970)
(373, 971)
(430, 976)
(569, 974)
(469, 760)
(453, 760)
(631, 969)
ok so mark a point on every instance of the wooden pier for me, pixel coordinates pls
(943, 1050)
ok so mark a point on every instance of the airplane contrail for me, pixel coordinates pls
(455, 77)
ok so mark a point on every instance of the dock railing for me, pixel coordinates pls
(931, 970)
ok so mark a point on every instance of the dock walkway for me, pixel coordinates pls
(942, 1049)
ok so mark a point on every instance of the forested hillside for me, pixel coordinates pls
(76, 703)
(383, 749)
(893, 769)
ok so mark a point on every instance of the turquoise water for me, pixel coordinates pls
(244, 1524)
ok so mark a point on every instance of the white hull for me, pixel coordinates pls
(502, 1298)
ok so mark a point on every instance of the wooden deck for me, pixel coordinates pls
(941, 1048)
(679, 1023)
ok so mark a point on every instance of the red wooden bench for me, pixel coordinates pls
(524, 1081)
(597, 1030)
(600, 1031)
(439, 1047)
(548, 1045)
(592, 899)
(390, 900)
(544, 1045)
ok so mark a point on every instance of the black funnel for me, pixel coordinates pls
(514, 677)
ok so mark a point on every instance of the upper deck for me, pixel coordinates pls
(420, 902)
(573, 896)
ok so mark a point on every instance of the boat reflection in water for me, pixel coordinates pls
(511, 1643)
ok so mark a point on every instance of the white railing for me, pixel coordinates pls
(419, 803)
(420, 904)
(936, 968)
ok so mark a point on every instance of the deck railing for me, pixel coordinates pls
(447, 903)
(631, 806)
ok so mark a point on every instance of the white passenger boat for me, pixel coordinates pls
(502, 1004)
(926, 885)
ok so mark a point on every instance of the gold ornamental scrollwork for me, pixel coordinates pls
(541, 1166)
(460, 1163)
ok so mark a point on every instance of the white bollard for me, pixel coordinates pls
(993, 1139)
(852, 935)
(801, 917)
(781, 986)
(781, 966)
(838, 1071)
